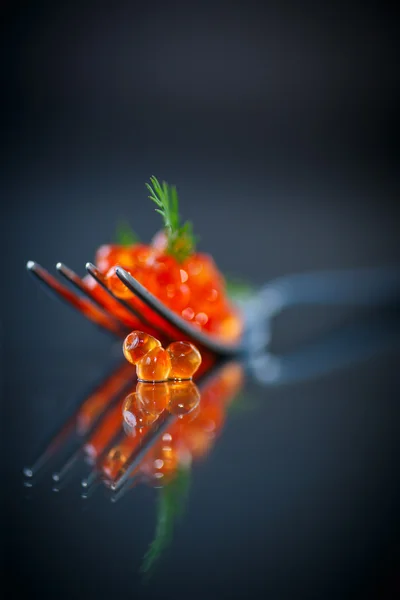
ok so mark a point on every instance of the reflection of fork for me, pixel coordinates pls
(364, 287)
(95, 418)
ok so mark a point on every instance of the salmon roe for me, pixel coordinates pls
(194, 288)
(185, 360)
(179, 361)
(115, 285)
(154, 366)
(137, 344)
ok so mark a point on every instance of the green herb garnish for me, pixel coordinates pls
(171, 503)
(237, 289)
(125, 234)
(180, 238)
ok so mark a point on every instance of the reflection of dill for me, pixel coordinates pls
(170, 505)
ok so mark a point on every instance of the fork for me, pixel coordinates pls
(368, 287)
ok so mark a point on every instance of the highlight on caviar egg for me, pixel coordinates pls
(137, 344)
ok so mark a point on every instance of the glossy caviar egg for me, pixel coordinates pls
(175, 295)
(209, 300)
(202, 270)
(143, 255)
(185, 360)
(160, 241)
(137, 344)
(170, 283)
(230, 326)
(115, 285)
(184, 397)
(110, 254)
(154, 366)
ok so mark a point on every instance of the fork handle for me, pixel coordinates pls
(351, 343)
(361, 287)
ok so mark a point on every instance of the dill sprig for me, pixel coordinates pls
(237, 289)
(171, 503)
(125, 234)
(180, 238)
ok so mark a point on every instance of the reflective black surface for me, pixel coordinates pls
(278, 128)
(298, 496)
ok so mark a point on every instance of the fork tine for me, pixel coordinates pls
(82, 305)
(160, 424)
(77, 282)
(95, 273)
(207, 341)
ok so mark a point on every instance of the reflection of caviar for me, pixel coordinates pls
(163, 459)
(193, 435)
(184, 396)
(120, 454)
(135, 414)
(194, 425)
(153, 396)
(141, 408)
(104, 433)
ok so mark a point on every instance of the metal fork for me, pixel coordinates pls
(369, 287)
(364, 287)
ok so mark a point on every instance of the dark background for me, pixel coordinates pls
(278, 125)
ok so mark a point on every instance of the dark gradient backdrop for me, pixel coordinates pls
(278, 124)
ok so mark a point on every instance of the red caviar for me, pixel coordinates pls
(154, 366)
(186, 281)
(194, 289)
(185, 360)
(137, 344)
